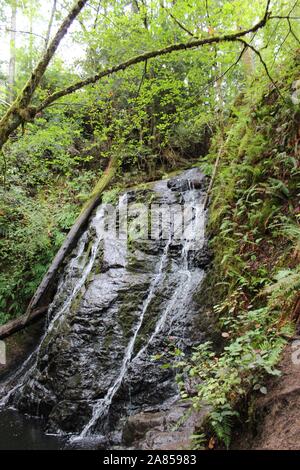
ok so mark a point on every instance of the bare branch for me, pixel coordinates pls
(277, 17)
(97, 16)
(53, 10)
(292, 31)
(267, 12)
(257, 52)
(181, 26)
(142, 79)
(207, 10)
(227, 70)
(280, 47)
(288, 16)
(22, 32)
(271, 36)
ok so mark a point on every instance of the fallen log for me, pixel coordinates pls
(18, 324)
(45, 287)
(44, 293)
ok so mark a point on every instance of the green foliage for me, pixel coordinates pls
(283, 290)
(46, 148)
(31, 231)
(111, 196)
(290, 230)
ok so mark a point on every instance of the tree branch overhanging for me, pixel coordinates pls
(288, 16)
(222, 75)
(234, 37)
(291, 31)
(278, 17)
(22, 32)
(21, 111)
(176, 21)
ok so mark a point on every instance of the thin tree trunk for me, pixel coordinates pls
(30, 58)
(50, 24)
(249, 63)
(12, 54)
(215, 169)
(97, 15)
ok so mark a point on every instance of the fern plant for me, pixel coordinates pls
(283, 291)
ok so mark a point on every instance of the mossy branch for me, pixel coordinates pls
(234, 37)
(13, 119)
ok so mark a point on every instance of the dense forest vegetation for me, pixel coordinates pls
(150, 87)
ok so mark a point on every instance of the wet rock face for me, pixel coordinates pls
(169, 429)
(202, 257)
(187, 181)
(120, 302)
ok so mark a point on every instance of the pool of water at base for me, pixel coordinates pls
(20, 432)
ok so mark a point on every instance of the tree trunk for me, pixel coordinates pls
(12, 54)
(215, 169)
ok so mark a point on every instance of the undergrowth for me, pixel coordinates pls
(32, 228)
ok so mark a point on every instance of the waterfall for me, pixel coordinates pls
(117, 302)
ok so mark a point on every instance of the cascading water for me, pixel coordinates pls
(119, 302)
(103, 406)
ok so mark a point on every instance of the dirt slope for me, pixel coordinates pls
(278, 413)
